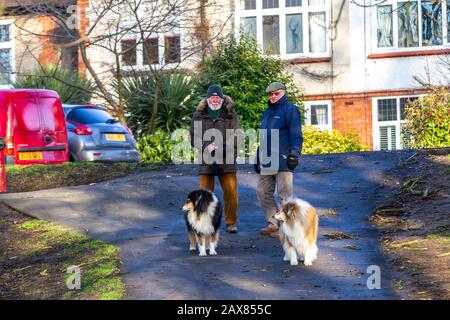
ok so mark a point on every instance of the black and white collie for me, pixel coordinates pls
(203, 214)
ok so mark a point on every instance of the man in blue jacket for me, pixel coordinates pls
(280, 147)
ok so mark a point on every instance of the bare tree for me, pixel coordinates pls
(119, 39)
(436, 73)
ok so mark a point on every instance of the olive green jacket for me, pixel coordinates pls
(228, 119)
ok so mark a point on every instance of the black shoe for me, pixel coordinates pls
(231, 228)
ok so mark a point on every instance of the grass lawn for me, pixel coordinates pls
(37, 177)
(415, 221)
(35, 255)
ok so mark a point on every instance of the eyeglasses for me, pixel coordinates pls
(215, 98)
(275, 93)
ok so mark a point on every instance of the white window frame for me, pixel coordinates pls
(397, 123)
(282, 11)
(395, 47)
(177, 32)
(161, 53)
(11, 44)
(140, 66)
(328, 103)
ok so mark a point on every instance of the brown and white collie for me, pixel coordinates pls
(299, 225)
(203, 212)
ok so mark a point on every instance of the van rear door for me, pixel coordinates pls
(40, 135)
(27, 135)
(54, 129)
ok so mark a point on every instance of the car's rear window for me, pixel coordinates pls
(89, 115)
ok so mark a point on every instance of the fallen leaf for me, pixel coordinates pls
(442, 255)
(356, 272)
(352, 247)
(403, 244)
(339, 236)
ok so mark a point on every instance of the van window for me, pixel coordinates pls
(27, 114)
(51, 114)
(89, 115)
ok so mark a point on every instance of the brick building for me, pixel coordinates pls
(356, 60)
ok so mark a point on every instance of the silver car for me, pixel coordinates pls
(94, 135)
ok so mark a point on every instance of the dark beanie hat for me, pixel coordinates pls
(215, 90)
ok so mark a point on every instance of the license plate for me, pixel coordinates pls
(30, 155)
(115, 137)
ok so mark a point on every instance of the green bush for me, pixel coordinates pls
(175, 100)
(158, 147)
(244, 72)
(155, 147)
(71, 87)
(428, 120)
(316, 141)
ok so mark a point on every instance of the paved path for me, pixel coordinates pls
(141, 214)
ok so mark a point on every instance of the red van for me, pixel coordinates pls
(32, 121)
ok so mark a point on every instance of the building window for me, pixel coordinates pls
(389, 123)
(408, 24)
(267, 4)
(448, 21)
(318, 114)
(158, 48)
(151, 51)
(172, 49)
(5, 33)
(412, 24)
(129, 52)
(271, 34)
(248, 25)
(290, 28)
(317, 32)
(384, 28)
(6, 53)
(294, 41)
(431, 23)
(248, 4)
(387, 110)
(293, 3)
(155, 50)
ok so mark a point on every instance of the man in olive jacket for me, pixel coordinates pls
(213, 133)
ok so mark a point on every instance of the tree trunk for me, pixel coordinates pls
(155, 104)
(121, 106)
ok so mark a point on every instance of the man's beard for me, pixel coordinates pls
(214, 106)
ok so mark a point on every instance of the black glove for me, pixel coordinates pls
(257, 168)
(292, 161)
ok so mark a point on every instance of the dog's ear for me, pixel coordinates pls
(289, 209)
(287, 214)
(285, 209)
(201, 205)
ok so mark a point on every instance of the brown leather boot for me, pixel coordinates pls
(269, 230)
